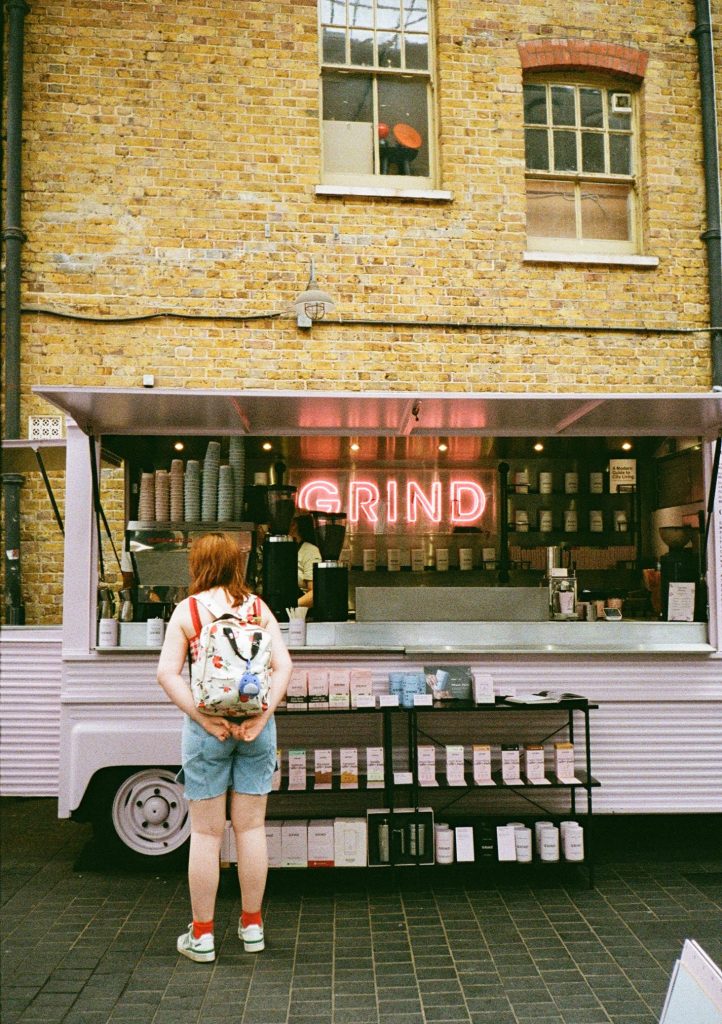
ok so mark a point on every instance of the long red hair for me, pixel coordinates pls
(216, 561)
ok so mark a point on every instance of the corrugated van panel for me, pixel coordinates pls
(30, 675)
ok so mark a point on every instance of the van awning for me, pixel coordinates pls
(166, 411)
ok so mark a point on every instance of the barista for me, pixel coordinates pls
(301, 530)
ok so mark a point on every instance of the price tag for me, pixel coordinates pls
(423, 700)
(388, 700)
(365, 700)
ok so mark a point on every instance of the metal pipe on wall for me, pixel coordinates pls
(14, 238)
(712, 236)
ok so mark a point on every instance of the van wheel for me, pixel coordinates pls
(148, 814)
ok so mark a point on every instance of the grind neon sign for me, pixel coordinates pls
(460, 502)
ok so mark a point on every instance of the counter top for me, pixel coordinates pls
(422, 639)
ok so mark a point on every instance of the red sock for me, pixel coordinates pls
(248, 918)
(202, 928)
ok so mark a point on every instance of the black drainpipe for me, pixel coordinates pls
(705, 53)
(14, 238)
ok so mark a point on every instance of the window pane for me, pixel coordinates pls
(563, 104)
(605, 212)
(334, 46)
(565, 151)
(621, 122)
(347, 124)
(417, 52)
(404, 103)
(333, 12)
(537, 149)
(347, 98)
(362, 47)
(361, 12)
(388, 14)
(389, 44)
(593, 152)
(590, 103)
(535, 104)
(416, 15)
(620, 154)
(550, 209)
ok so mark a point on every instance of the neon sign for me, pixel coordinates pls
(466, 500)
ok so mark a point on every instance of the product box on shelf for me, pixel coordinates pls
(297, 691)
(534, 763)
(505, 843)
(349, 767)
(510, 764)
(322, 768)
(481, 753)
(350, 842)
(317, 689)
(274, 844)
(297, 769)
(321, 843)
(564, 762)
(427, 765)
(294, 844)
(483, 688)
(362, 685)
(464, 840)
(455, 765)
(410, 835)
(374, 767)
(339, 682)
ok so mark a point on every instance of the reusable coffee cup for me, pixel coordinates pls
(417, 559)
(108, 633)
(369, 560)
(297, 632)
(573, 843)
(546, 520)
(545, 483)
(393, 559)
(570, 520)
(154, 632)
(549, 846)
(522, 841)
(466, 558)
(596, 521)
(538, 826)
(396, 683)
(444, 843)
(442, 559)
(571, 483)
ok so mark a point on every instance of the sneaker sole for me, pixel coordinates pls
(200, 958)
(252, 947)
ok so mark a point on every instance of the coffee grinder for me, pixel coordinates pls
(330, 576)
(280, 554)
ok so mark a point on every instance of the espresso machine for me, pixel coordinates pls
(330, 576)
(280, 554)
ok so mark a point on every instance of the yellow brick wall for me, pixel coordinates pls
(171, 156)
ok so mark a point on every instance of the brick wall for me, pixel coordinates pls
(170, 163)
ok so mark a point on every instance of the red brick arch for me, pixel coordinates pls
(583, 55)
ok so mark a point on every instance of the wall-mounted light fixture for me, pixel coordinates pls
(312, 304)
(539, 447)
(267, 446)
(179, 446)
(627, 446)
(443, 446)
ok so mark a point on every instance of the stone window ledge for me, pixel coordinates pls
(426, 194)
(610, 258)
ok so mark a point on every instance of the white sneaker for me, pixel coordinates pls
(201, 950)
(252, 937)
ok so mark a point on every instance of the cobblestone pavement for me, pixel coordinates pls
(96, 945)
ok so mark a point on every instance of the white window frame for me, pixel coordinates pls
(377, 182)
(591, 246)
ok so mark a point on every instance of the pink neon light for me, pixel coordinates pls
(319, 495)
(363, 496)
(392, 501)
(416, 498)
(466, 489)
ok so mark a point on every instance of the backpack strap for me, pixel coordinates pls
(195, 617)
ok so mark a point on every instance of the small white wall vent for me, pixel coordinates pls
(621, 103)
(45, 428)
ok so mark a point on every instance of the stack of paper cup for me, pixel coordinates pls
(176, 490)
(549, 843)
(162, 496)
(192, 491)
(572, 835)
(146, 500)
(225, 493)
(209, 499)
(444, 844)
(237, 460)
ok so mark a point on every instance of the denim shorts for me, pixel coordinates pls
(212, 767)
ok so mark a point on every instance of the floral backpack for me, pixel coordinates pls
(231, 668)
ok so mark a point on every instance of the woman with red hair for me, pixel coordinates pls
(220, 754)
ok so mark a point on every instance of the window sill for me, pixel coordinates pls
(610, 258)
(427, 194)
